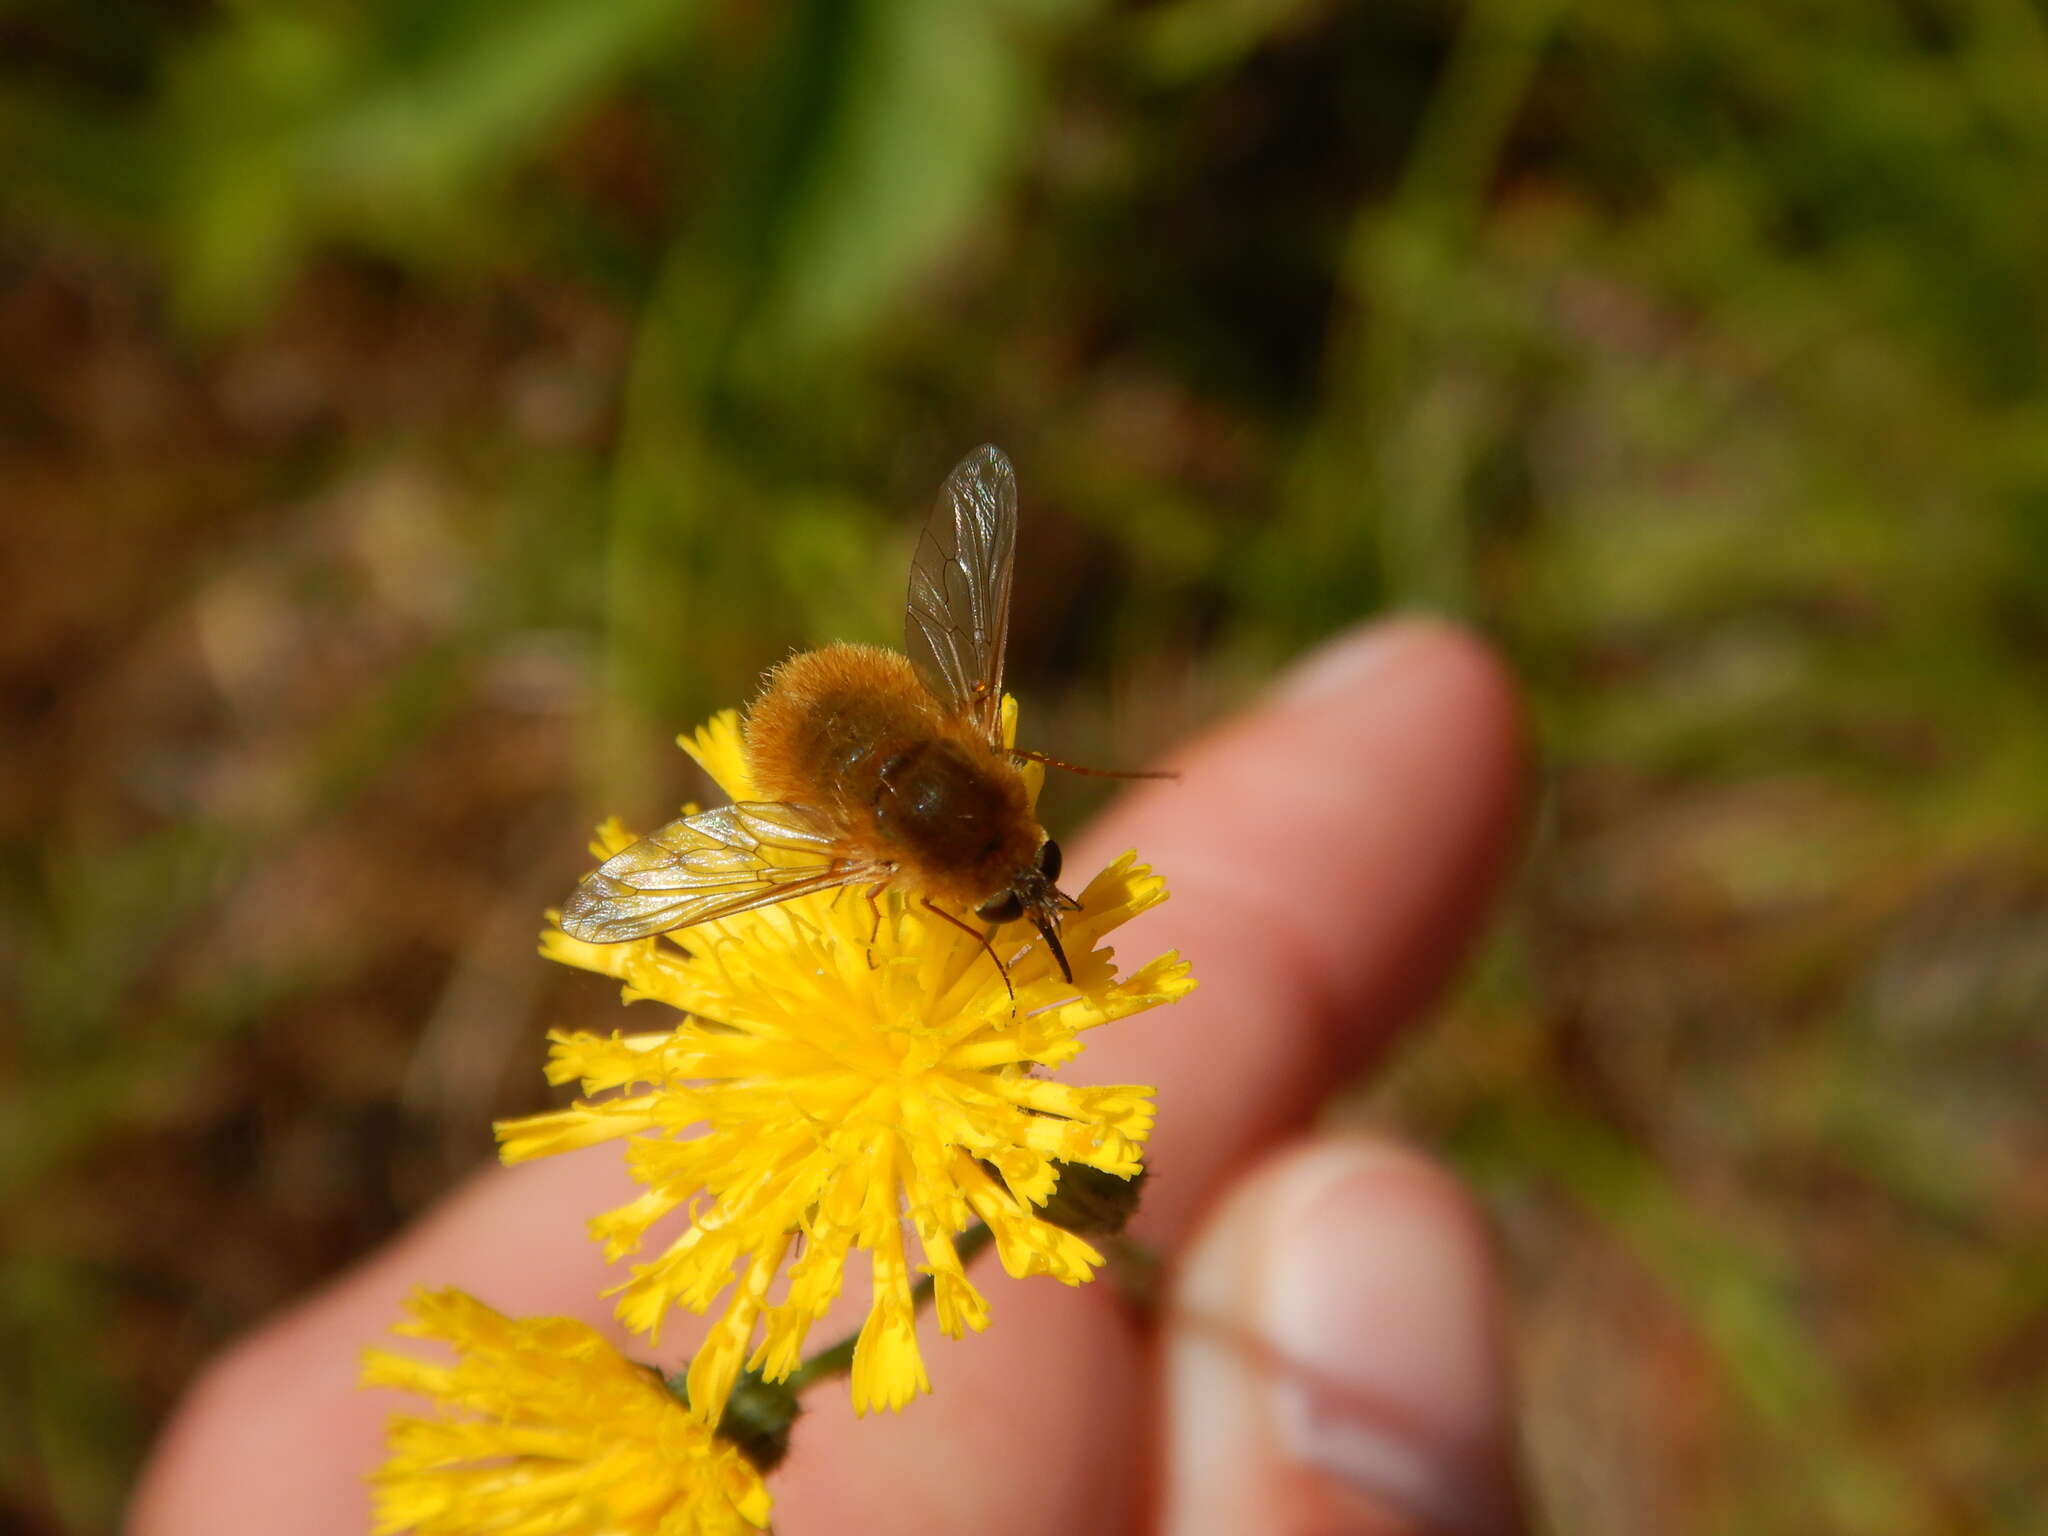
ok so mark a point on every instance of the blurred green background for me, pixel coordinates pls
(413, 411)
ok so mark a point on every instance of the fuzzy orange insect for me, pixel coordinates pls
(874, 768)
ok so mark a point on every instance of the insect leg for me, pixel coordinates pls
(874, 933)
(980, 938)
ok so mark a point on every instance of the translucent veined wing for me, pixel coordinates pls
(957, 619)
(714, 864)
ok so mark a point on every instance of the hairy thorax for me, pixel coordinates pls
(851, 731)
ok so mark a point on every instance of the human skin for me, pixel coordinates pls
(1332, 1355)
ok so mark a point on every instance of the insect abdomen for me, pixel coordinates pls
(944, 809)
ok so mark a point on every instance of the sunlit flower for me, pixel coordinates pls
(545, 1430)
(833, 1087)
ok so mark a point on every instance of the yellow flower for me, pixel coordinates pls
(831, 1084)
(546, 1430)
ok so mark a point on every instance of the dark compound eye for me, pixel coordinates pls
(1049, 859)
(1006, 908)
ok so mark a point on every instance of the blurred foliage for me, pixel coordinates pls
(414, 412)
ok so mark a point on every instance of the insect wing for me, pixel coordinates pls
(957, 619)
(714, 864)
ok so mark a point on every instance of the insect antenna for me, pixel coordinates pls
(1093, 773)
(980, 938)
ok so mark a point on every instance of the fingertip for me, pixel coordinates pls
(1409, 728)
(1339, 664)
(1330, 852)
(1337, 1357)
(1414, 669)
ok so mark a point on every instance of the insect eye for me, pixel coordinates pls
(1049, 859)
(1006, 908)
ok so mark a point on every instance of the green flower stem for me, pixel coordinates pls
(838, 1360)
(1136, 1270)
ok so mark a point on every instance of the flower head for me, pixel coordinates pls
(842, 1072)
(546, 1430)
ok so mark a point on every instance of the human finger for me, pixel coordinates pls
(1330, 854)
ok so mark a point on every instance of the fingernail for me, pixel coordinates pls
(1351, 1374)
(1341, 665)
(1379, 1295)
